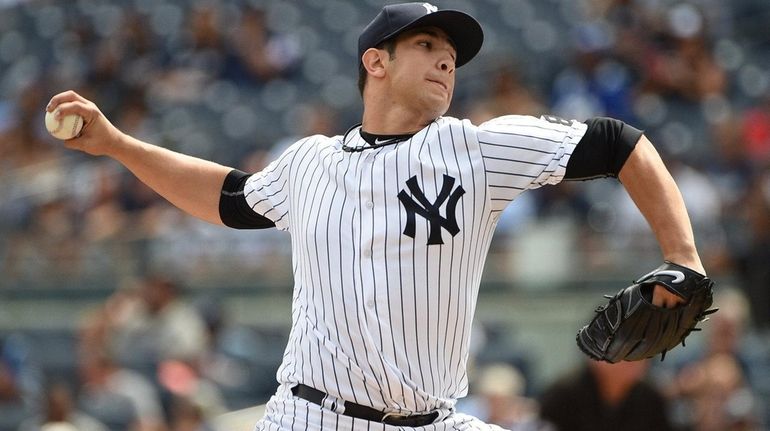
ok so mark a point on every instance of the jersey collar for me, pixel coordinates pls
(370, 141)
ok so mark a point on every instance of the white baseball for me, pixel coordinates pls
(66, 128)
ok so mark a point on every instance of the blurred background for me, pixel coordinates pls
(118, 312)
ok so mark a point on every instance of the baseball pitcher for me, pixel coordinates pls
(390, 225)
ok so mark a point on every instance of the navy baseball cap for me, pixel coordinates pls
(464, 31)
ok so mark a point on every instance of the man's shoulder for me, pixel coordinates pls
(318, 139)
(512, 120)
(444, 123)
(293, 143)
(453, 121)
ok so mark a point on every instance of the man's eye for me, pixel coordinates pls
(424, 43)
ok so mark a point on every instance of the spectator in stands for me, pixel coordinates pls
(8, 387)
(732, 171)
(23, 143)
(205, 41)
(58, 408)
(187, 416)
(716, 397)
(155, 323)
(49, 246)
(134, 113)
(753, 260)
(183, 386)
(498, 398)
(118, 396)
(595, 82)
(712, 390)
(506, 93)
(20, 376)
(259, 55)
(680, 62)
(18, 383)
(605, 397)
(235, 357)
(756, 132)
(315, 118)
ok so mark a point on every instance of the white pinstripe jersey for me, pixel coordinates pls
(381, 317)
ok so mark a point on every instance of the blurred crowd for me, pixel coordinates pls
(146, 360)
(152, 357)
(236, 81)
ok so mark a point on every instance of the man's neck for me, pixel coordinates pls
(384, 117)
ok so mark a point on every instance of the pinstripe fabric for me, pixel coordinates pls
(379, 317)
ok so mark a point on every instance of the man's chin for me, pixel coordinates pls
(438, 108)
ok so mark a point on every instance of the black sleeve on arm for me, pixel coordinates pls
(603, 149)
(234, 211)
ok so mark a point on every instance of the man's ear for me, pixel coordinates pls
(373, 61)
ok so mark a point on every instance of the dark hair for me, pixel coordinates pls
(390, 46)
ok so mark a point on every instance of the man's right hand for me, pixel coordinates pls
(98, 136)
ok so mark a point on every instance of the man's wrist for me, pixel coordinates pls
(122, 146)
(689, 260)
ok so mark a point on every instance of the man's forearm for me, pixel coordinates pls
(191, 184)
(653, 190)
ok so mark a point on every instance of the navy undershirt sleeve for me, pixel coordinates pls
(234, 211)
(603, 150)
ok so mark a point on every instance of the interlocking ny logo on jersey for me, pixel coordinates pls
(429, 7)
(430, 210)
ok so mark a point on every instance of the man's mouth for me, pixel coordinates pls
(441, 84)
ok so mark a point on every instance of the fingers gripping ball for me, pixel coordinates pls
(68, 127)
(630, 328)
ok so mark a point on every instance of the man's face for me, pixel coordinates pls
(422, 70)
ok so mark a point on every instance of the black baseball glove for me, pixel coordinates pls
(630, 328)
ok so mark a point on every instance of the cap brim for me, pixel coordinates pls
(464, 31)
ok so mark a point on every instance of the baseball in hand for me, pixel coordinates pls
(67, 128)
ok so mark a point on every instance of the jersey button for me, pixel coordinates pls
(370, 304)
(367, 253)
(370, 204)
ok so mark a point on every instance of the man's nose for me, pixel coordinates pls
(446, 64)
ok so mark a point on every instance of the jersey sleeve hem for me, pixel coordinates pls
(234, 211)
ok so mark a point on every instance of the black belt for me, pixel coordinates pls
(364, 412)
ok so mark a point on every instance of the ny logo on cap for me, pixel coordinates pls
(429, 8)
